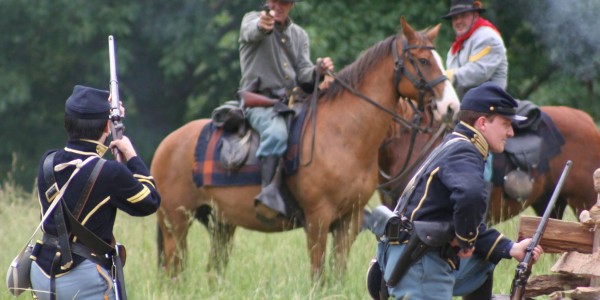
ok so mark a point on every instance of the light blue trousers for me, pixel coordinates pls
(87, 281)
(272, 130)
(431, 277)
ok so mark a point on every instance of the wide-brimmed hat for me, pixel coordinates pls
(491, 98)
(461, 6)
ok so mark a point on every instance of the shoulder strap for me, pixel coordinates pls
(63, 210)
(85, 194)
(87, 237)
(66, 259)
(410, 187)
(58, 195)
(48, 170)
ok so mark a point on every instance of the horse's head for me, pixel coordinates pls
(422, 67)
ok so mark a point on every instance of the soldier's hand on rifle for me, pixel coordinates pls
(125, 147)
(519, 250)
(121, 107)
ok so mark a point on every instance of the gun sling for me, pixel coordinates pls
(425, 234)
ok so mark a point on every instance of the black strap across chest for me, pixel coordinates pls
(87, 237)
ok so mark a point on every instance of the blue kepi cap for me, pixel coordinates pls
(491, 98)
(88, 103)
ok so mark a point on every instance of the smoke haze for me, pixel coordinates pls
(571, 32)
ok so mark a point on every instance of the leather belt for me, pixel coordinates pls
(79, 249)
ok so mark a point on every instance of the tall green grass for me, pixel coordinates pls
(262, 266)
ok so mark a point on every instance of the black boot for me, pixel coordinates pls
(269, 203)
(484, 292)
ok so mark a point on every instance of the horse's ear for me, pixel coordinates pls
(408, 31)
(433, 33)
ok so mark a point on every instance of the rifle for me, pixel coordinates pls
(517, 290)
(118, 260)
(251, 99)
(117, 127)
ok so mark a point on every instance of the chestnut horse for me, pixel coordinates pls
(352, 117)
(582, 146)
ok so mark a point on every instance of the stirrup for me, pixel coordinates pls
(265, 211)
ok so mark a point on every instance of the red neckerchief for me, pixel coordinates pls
(480, 22)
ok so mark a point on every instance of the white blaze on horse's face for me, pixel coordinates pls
(449, 99)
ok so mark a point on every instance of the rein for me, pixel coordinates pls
(406, 168)
(419, 82)
(399, 70)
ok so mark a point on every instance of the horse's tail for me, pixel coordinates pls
(160, 245)
(203, 214)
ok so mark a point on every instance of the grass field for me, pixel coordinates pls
(262, 266)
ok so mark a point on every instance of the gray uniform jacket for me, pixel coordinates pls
(281, 59)
(482, 58)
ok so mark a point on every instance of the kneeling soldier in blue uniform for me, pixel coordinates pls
(71, 261)
(450, 189)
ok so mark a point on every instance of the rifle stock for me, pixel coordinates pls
(250, 99)
(523, 270)
(117, 127)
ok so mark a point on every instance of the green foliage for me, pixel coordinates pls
(179, 59)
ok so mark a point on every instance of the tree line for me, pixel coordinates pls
(178, 60)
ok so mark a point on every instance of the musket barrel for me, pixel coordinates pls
(114, 83)
(115, 112)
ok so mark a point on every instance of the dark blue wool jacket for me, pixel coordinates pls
(127, 187)
(452, 189)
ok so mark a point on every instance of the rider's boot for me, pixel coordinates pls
(269, 204)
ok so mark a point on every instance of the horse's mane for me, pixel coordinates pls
(353, 74)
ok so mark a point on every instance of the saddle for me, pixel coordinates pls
(240, 141)
(524, 148)
(528, 153)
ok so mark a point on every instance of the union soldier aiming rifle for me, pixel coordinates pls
(70, 259)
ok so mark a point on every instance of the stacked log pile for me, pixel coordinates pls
(577, 272)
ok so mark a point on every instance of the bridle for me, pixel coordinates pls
(419, 81)
(423, 86)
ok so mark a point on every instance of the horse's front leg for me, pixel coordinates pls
(344, 234)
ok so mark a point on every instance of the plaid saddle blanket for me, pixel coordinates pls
(209, 171)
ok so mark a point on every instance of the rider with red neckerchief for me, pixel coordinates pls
(478, 53)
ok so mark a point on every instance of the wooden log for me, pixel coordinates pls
(541, 285)
(595, 216)
(580, 293)
(559, 236)
(579, 264)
